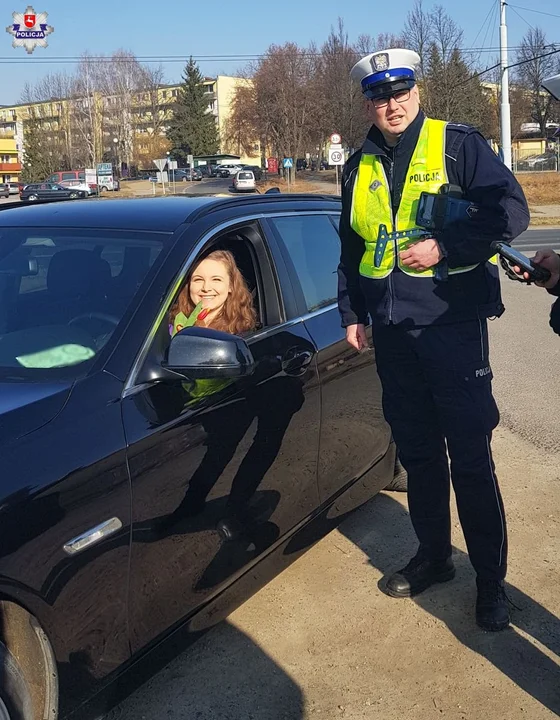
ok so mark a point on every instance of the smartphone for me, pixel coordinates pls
(514, 257)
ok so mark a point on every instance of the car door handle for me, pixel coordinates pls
(296, 360)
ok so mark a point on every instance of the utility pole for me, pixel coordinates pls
(505, 116)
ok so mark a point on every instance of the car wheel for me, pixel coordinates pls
(73, 196)
(15, 697)
(184, 179)
(32, 198)
(104, 189)
(399, 483)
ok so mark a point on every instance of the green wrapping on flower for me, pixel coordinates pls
(182, 321)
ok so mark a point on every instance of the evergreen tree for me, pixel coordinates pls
(39, 160)
(192, 129)
(451, 92)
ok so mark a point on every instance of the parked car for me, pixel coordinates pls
(77, 185)
(50, 191)
(4, 190)
(228, 169)
(244, 181)
(105, 420)
(255, 169)
(65, 176)
(14, 187)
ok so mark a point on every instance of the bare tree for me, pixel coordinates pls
(340, 100)
(152, 113)
(87, 118)
(120, 80)
(418, 34)
(538, 64)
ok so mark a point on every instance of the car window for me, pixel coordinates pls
(53, 178)
(312, 248)
(81, 176)
(63, 295)
(244, 176)
(69, 176)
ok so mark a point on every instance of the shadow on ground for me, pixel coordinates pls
(453, 603)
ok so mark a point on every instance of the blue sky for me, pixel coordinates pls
(247, 27)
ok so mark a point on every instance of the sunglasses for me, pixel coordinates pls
(400, 96)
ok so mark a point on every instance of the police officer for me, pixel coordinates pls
(429, 302)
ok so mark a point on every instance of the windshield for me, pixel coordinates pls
(63, 293)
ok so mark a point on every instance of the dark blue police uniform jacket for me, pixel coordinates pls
(415, 301)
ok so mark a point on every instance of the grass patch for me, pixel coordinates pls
(542, 188)
(298, 186)
(544, 221)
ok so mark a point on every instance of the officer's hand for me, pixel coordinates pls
(547, 259)
(422, 255)
(356, 336)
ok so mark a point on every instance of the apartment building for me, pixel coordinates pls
(125, 131)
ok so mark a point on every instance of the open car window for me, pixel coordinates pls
(63, 294)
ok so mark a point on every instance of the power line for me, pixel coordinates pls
(540, 12)
(68, 59)
(522, 62)
(521, 17)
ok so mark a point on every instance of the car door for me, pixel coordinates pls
(251, 444)
(354, 434)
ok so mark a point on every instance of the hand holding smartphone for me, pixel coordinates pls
(522, 264)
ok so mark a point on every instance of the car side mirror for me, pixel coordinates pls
(198, 352)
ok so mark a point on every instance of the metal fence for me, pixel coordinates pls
(529, 161)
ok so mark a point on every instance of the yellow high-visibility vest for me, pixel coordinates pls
(371, 202)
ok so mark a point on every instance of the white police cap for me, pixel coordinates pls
(552, 84)
(386, 71)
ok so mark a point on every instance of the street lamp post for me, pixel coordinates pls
(115, 146)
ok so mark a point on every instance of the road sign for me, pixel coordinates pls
(162, 177)
(190, 161)
(160, 164)
(104, 169)
(91, 176)
(288, 162)
(336, 156)
(172, 165)
(335, 139)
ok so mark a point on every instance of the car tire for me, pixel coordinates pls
(399, 483)
(15, 697)
(104, 189)
(32, 198)
(73, 196)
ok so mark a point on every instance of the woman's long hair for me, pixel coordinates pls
(237, 315)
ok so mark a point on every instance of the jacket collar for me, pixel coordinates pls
(375, 144)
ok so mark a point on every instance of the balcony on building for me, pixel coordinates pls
(10, 167)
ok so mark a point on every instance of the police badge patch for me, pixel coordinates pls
(380, 62)
(375, 185)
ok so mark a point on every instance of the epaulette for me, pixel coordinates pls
(455, 137)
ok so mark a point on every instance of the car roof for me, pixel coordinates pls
(150, 214)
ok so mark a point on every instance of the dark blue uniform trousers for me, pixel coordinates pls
(437, 398)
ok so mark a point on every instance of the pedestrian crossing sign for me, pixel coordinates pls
(288, 162)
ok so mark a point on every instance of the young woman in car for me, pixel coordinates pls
(215, 296)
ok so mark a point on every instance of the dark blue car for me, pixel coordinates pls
(100, 440)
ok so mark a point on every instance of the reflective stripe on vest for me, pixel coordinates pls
(371, 203)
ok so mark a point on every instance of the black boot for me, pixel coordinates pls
(492, 609)
(418, 575)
